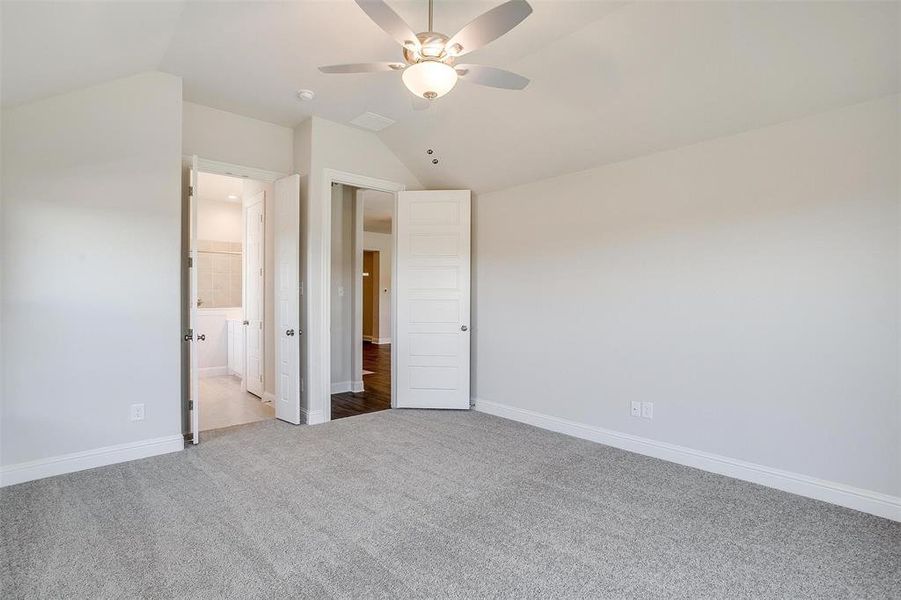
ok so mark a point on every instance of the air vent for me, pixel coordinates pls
(372, 121)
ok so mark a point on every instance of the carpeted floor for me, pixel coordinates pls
(421, 504)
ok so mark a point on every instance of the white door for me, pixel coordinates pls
(287, 290)
(253, 294)
(432, 287)
(192, 335)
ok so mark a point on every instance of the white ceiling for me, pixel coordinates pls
(54, 47)
(651, 77)
(219, 187)
(610, 80)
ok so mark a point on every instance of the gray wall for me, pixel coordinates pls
(748, 286)
(91, 226)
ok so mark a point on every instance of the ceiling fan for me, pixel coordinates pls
(429, 66)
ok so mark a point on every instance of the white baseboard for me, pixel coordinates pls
(89, 459)
(347, 386)
(269, 397)
(867, 501)
(341, 386)
(212, 371)
(314, 417)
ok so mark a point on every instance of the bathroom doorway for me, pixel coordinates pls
(233, 327)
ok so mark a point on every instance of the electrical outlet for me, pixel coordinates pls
(636, 408)
(647, 410)
(137, 412)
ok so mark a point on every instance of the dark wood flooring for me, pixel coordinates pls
(377, 394)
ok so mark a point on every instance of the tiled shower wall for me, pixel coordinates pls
(218, 274)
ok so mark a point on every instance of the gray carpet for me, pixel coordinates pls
(421, 504)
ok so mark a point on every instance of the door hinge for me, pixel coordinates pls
(261, 379)
(190, 262)
(261, 218)
(300, 288)
(190, 405)
(190, 190)
(261, 271)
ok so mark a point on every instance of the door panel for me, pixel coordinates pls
(287, 290)
(433, 296)
(254, 294)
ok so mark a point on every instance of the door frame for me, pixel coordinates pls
(215, 167)
(321, 399)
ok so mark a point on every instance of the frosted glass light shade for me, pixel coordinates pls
(430, 79)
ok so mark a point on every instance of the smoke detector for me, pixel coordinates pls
(305, 95)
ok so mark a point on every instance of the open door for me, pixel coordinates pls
(191, 336)
(432, 291)
(287, 290)
(254, 232)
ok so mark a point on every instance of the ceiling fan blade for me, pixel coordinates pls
(491, 76)
(390, 21)
(378, 67)
(488, 27)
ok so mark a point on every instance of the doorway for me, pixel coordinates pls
(360, 305)
(232, 298)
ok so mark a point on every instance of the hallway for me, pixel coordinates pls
(377, 385)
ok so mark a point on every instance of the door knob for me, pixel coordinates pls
(464, 328)
(289, 332)
(201, 337)
(247, 322)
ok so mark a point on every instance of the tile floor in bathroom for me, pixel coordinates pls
(223, 404)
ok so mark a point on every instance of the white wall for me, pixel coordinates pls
(748, 286)
(223, 221)
(343, 288)
(331, 146)
(223, 136)
(212, 354)
(383, 243)
(220, 220)
(91, 223)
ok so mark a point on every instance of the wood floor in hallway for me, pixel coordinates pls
(377, 386)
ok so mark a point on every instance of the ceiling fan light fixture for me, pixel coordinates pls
(430, 79)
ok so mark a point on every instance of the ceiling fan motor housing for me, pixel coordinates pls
(431, 47)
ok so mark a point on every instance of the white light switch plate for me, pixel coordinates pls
(647, 410)
(636, 408)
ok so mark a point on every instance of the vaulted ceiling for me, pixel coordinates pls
(610, 80)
